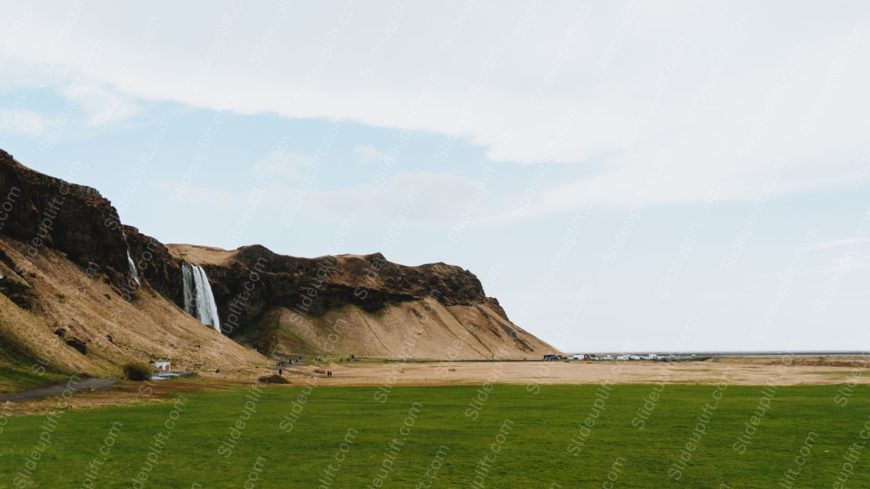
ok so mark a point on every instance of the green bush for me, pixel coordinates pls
(273, 379)
(137, 371)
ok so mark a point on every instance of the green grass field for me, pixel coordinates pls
(542, 446)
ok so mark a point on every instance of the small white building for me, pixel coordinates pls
(161, 365)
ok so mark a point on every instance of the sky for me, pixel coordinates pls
(669, 175)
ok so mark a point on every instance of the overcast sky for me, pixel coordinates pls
(621, 175)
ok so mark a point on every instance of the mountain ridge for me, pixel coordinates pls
(277, 304)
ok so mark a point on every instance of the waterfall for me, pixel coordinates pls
(187, 281)
(206, 307)
(198, 296)
(133, 272)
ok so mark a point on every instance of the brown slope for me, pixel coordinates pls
(359, 304)
(67, 298)
(419, 329)
(65, 304)
(81, 253)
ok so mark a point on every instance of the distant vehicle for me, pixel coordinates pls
(553, 358)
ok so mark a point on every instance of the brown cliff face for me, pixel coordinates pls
(46, 212)
(70, 321)
(357, 304)
(277, 303)
(253, 279)
(155, 265)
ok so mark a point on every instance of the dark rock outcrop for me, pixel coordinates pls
(43, 211)
(252, 279)
(78, 344)
(156, 265)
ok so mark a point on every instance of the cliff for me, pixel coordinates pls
(68, 301)
(60, 241)
(46, 212)
(357, 304)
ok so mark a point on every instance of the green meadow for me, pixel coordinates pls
(640, 436)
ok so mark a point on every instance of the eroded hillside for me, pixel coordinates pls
(81, 292)
(358, 304)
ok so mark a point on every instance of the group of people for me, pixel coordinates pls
(281, 372)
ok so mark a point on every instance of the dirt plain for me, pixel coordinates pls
(780, 371)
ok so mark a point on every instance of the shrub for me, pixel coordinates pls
(137, 371)
(273, 379)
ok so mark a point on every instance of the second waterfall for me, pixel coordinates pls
(198, 297)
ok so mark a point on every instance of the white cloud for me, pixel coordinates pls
(418, 197)
(369, 153)
(24, 122)
(841, 256)
(728, 98)
(850, 243)
(101, 106)
(432, 198)
(849, 262)
(284, 164)
(198, 195)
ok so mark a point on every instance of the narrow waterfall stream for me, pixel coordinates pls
(133, 272)
(198, 296)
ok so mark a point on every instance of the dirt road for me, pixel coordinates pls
(56, 390)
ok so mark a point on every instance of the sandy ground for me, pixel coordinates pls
(732, 371)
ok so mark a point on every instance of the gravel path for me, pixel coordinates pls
(56, 390)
